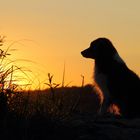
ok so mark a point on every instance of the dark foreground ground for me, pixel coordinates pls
(69, 115)
(81, 127)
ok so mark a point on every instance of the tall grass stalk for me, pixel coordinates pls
(83, 80)
(63, 78)
(52, 85)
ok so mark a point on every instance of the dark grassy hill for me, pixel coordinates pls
(66, 113)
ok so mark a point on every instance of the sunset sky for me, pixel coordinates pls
(51, 32)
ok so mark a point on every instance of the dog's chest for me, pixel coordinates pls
(101, 80)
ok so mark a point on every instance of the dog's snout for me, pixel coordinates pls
(82, 53)
(88, 53)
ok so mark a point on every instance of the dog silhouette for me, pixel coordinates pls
(119, 84)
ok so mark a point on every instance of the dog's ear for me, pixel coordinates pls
(105, 48)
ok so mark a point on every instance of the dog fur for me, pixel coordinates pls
(119, 84)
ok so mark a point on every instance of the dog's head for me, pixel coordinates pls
(100, 48)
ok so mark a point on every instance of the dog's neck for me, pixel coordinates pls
(117, 58)
(105, 65)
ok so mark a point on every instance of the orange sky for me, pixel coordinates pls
(51, 32)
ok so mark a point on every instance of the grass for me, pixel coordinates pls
(35, 115)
